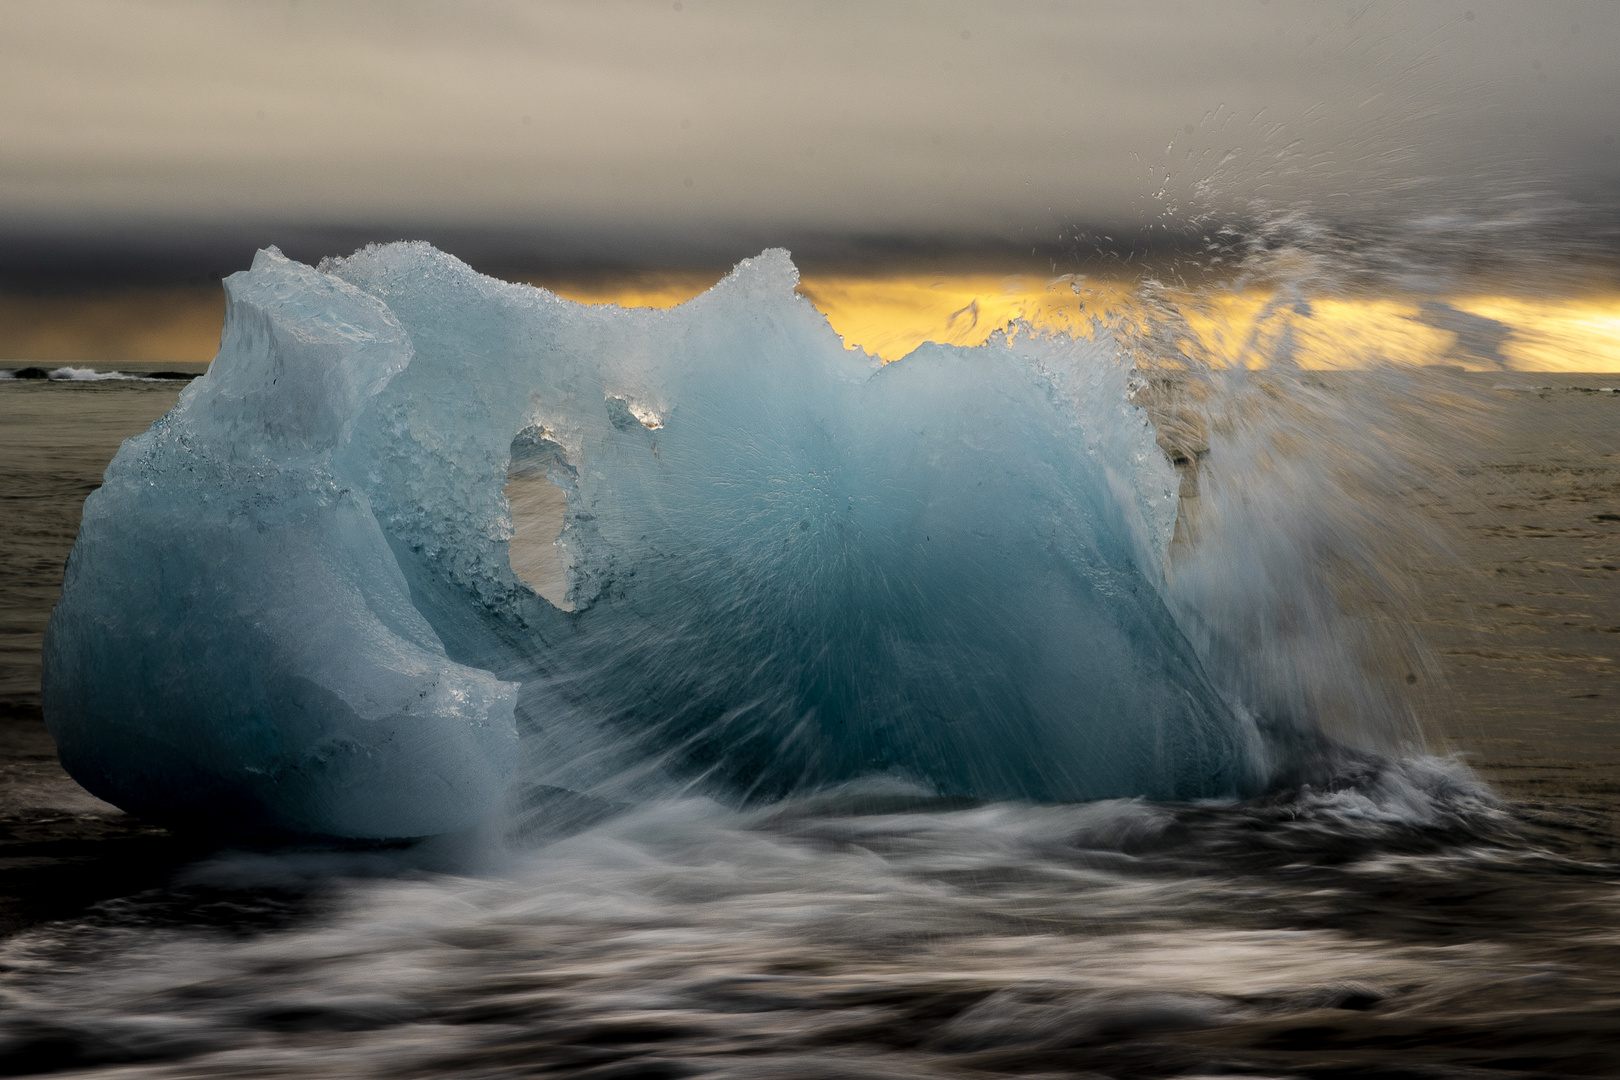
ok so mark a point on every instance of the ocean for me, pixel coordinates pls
(1448, 910)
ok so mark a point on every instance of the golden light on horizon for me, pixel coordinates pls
(140, 326)
(1555, 335)
(890, 314)
(647, 288)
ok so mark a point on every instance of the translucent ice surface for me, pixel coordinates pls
(292, 606)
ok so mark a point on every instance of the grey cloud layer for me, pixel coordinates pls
(920, 118)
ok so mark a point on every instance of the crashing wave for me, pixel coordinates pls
(82, 374)
(292, 607)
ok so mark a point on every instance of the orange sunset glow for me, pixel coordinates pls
(890, 314)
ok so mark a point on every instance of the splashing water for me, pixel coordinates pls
(787, 567)
(770, 764)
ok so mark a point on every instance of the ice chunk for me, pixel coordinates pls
(294, 599)
(235, 645)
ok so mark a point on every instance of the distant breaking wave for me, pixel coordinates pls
(80, 374)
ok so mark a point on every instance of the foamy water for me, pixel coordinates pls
(868, 932)
(89, 375)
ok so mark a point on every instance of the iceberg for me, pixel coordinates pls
(292, 609)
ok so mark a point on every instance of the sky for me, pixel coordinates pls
(697, 131)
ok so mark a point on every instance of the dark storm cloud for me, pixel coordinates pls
(703, 127)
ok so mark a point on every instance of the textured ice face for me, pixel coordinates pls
(235, 645)
(292, 602)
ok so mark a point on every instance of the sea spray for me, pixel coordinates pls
(1308, 502)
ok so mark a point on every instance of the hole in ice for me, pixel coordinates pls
(537, 484)
(626, 414)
